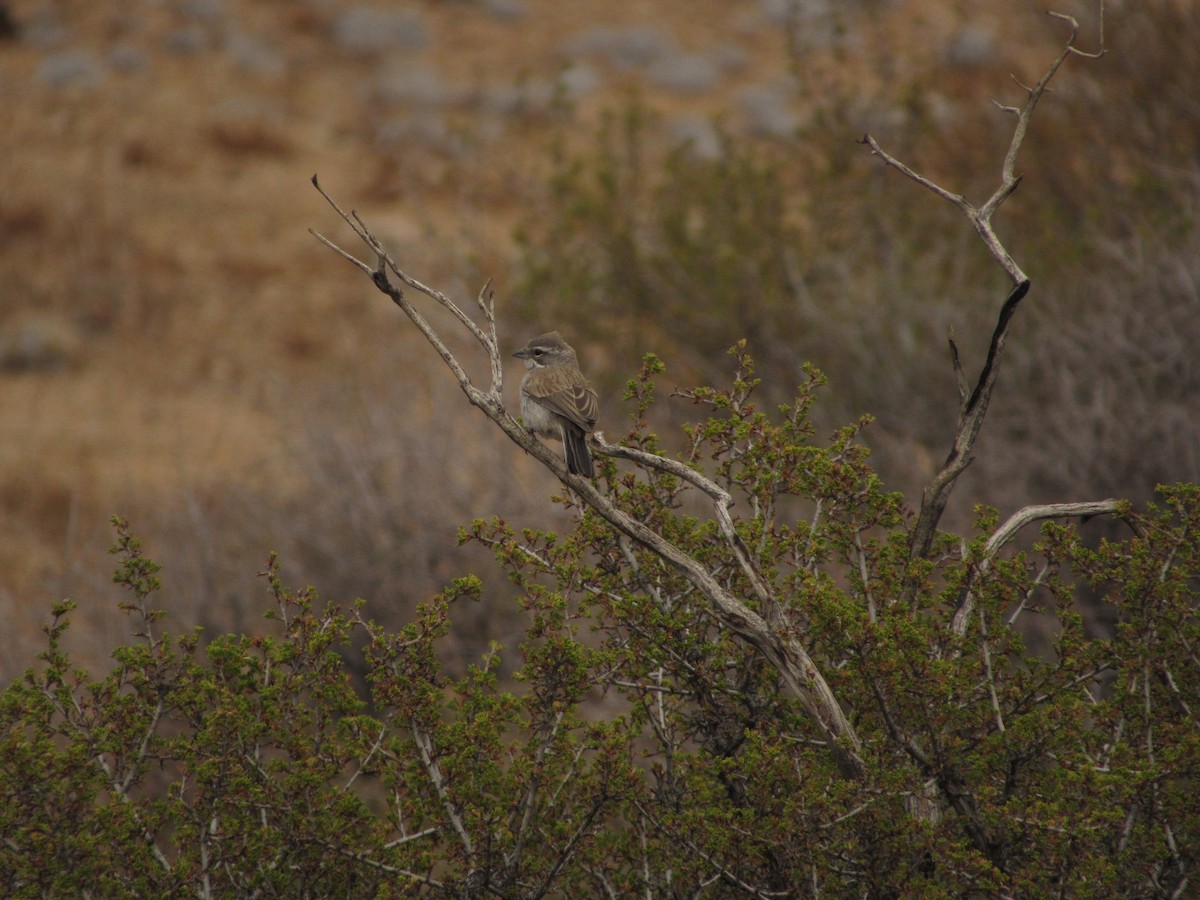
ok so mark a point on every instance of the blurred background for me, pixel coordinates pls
(661, 176)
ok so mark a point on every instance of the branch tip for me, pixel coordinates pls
(1019, 83)
(1074, 23)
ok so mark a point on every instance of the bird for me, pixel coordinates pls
(556, 400)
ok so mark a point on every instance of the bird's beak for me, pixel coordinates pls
(523, 353)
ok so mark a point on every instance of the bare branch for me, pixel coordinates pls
(810, 551)
(766, 635)
(1030, 514)
(365, 761)
(569, 848)
(416, 835)
(1008, 180)
(959, 378)
(979, 218)
(1008, 531)
(379, 275)
(721, 506)
(957, 199)
(527, 807)
(487, 305)
(1037, 582)
(973, 409)
(788, 656)
(987, 669)
(970, 420)
(863, 574)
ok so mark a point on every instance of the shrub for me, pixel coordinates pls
(643, 747)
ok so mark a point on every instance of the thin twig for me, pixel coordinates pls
(987, 671)
(862, 573)
(433, 770)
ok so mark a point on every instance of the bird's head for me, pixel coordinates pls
(546, 350)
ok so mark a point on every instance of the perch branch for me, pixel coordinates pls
(787, 655)
(379, 275)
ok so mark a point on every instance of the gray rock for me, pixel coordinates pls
(365, 30)
(188, 40)
(505, 10)
(632, 47)
(429, 131)
(729, 58)
(519, 99)
(685, 73)
(699, 135)
(39, 343)
(128, 59)
(767, 110)
(252, 55)
(785, 12)
(813, 23)
(202, 9)
(70, 69)
(419, 88)
(971, 47)
(579, 80)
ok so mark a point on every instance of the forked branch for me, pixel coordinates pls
(785, 653)
(981, 216)
(974, 403)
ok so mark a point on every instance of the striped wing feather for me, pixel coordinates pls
(570, 397)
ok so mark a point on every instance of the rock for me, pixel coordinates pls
(365, 30)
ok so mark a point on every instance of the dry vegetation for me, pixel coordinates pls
(176, 348)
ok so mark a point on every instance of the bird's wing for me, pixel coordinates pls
(570, 397)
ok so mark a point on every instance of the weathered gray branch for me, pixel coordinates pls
(974, 406)
(785, 654)
(1008, 531)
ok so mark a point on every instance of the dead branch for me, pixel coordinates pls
(981, 216)
(936, 493)
(973, 408)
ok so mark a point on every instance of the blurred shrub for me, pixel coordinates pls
(812, 250)
(641, 250)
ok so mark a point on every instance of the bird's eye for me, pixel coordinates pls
(538, 352)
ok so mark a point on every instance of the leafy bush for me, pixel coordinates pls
(644, 747)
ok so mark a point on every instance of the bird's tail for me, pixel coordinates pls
(579, 460)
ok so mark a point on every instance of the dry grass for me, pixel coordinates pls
(210, 371)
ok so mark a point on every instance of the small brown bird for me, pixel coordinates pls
(556, 400)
